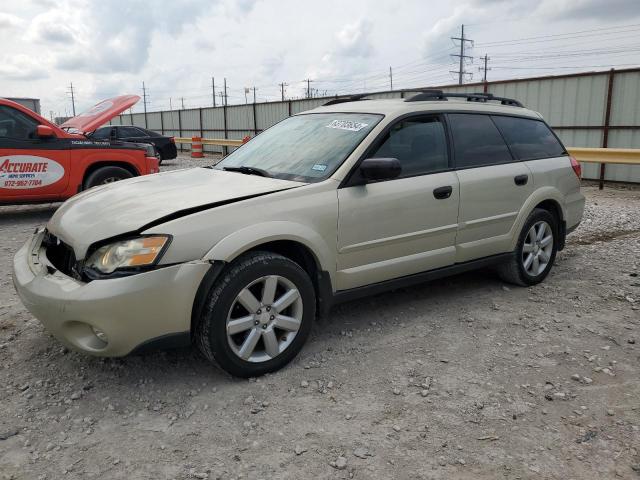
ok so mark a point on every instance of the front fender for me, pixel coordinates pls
(233, 245)
(539, 195)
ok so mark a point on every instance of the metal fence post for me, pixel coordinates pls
(607, 120)
(180, 127)
(225, 151)
(255, 121)
(162, 122)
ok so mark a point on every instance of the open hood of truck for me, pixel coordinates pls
(99, 114)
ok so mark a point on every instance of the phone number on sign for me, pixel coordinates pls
(21, 183)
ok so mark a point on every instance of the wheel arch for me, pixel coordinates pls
(107, 163)
(546, 198)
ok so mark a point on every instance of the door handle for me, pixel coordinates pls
(521, 179)
(443, 192)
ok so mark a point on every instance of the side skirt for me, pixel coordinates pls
(342, 296)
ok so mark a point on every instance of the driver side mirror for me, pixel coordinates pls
(374, 169)
(44, 131)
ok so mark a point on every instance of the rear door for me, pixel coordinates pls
(392, 228)
(493, 186)
(30, 167)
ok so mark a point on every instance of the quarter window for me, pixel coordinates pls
(16, 125)
(528, 138)
(476, 141)
(419, 144)
(131, 132)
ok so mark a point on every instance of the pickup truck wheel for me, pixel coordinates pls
(535, 252)
(105, 175)
(257, 316)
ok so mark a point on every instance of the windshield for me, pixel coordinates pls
(305, 148)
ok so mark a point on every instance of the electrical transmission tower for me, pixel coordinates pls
(461, 56)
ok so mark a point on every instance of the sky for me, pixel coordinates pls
(110, 47)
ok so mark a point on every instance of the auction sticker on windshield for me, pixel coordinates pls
(28, 171)
(347, 125)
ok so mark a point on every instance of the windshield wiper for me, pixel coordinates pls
(248, 170)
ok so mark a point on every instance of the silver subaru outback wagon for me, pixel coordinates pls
(352, 198)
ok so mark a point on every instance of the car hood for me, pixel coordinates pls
(99, 114)
(133, 205)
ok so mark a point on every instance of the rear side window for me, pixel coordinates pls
(130, 132)
(419, 144)
(528, 138)
(102, 133)
(477, 142)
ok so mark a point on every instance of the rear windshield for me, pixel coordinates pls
(529, 139)
(304, 148)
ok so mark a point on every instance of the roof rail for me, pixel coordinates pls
(427, 95)
(351, 98)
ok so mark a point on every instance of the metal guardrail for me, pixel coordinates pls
(604, 156)
(222, 142)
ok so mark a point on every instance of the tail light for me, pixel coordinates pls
(576, 167)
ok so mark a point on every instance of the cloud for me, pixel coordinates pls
(589, 9)
(350, 51)
(21, 67)
(9, 21)
(51, 27)
(354, 40)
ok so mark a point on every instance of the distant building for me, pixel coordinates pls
(30, 103)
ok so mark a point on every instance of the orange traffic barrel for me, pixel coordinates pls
(196, 147)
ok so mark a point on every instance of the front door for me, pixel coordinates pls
(389, 229)
(30, 167)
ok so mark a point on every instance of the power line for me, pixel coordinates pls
(461, 56)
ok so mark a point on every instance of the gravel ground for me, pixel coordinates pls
(462, 378)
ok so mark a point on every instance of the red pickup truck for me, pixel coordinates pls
(41, 162)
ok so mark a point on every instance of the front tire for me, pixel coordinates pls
(105, 175)
(535, 251)
(257, 316)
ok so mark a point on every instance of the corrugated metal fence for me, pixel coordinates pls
(597, 109)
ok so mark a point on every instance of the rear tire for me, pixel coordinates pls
(250, 328)
(535, 251)
(105, 175)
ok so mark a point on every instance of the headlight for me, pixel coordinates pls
(150, 151)
(136, 252)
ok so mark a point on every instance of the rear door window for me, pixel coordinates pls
(529, 139)
(477, 141)
(130, 132)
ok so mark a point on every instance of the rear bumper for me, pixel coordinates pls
(574, 209)
(130, 311)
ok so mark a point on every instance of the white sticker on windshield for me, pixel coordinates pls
(347, 125)
(319, 167)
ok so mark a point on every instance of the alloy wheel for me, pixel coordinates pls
(264, 318)
(537, 248)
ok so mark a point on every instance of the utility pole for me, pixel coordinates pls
(254, 94)
(73, 99)
(144, 103)
(221, 97)
(461, 56)
(170, 106)
(309, 94)
(225, 92)
(213, 90)
(391, 77)
(282, 85)
(484, 69)
(182, 99)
